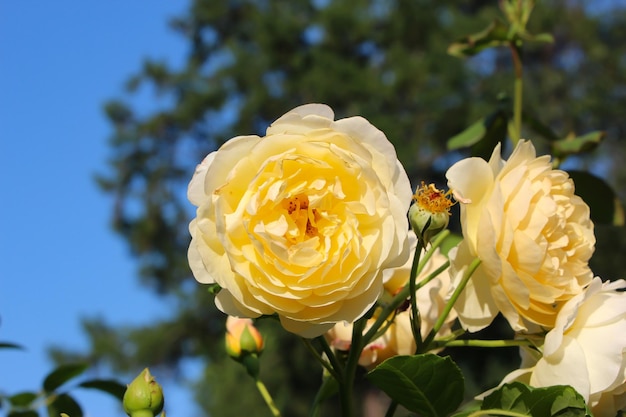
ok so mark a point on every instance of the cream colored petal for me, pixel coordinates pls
(567, 366)
(384, 158)
(566, 317)
(604, 351)
(225, 302)
(305, 329)
(471, 179)
(475, 306)
(196, 264)
(302, 119)
(495, 161)
(195, 192)
(227, 156)
(523, 153)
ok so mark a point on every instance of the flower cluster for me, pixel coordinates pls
(309, 223)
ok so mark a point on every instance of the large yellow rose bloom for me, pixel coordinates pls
(532, 234)
(302, 222)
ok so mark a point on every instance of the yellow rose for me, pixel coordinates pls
(586, 349)
(532, 234)
(398, 338)
(302, 222)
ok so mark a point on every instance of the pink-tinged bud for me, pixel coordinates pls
(242, 338)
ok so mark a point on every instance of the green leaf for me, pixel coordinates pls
(22, 399)
(496, 124)
(482, 135)
(427, 384)
(9, 345)
(26, 413)
(109, 386)
(449, 242)
(605, 206)
(539, 127)
(329, 387)
(496, 34)
(509, 397)
(559, 400)
(62, 374)
(64, 403)
(473, 134)
(577, 144)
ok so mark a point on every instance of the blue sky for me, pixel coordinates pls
(59, 259)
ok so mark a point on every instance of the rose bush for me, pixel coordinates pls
(398, 338)
(586, 349)
(532, 234)
(302, 222)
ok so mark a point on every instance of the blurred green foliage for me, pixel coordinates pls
(55, 396)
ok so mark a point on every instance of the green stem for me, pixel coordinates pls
(517, 95)
(334, 368)
(402, 295)
(448, 307)
(349, 376)
(415, 319)
(485, 343)
(267, 397)
(441, 236)
(495, 411)
(391, 410)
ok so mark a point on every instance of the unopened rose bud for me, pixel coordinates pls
(143, 396)
(242, 337)
(244, 343)
(430, 213)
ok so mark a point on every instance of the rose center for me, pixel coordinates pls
(304, 218)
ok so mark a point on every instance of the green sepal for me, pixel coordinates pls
(252, 364)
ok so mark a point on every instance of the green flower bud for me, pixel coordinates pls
(143, 396)
(430, 213)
